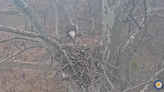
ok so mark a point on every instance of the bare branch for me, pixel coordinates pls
(107, 77)
(13, 12)
(27, 11)
(138, 31)
(56, 20)
(145, 17)
(44, 37)
(157, 9)
(18, 31)
(2, 61)
(25, 65)
(151, 79)
(23, 38)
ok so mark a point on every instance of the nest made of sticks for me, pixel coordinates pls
(82, 64)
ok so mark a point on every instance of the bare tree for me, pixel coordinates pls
(115, 62)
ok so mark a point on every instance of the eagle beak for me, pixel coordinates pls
(73, 37)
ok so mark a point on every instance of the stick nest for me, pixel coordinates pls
(82, 64)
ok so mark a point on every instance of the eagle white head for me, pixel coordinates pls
(72, 34)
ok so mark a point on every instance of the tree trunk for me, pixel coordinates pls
(111, 26)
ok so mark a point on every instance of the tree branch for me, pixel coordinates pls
(26, 65)
(27, 11)
(13, 12)
(23, 38)
(145, 17)
(151, 79)
(56, 20)
(2, 61)
(44, 37)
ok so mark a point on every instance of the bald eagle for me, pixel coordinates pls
(71, 31)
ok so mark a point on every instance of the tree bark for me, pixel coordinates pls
(111, 26)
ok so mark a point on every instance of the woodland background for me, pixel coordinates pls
(137, 57)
